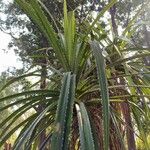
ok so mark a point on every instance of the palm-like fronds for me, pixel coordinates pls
(104, 97)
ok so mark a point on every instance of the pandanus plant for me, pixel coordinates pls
(97, 94)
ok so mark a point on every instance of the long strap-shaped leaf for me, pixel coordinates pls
(13, 130)
(86, 137)
(14, 80)
(49, 93)
(61, 133)
(26, 136)
(104, 90)
(69, 34)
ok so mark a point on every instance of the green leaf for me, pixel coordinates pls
(30, 93)
(45, 123)
(17, 79)
(124, 60)
(22, 101)
(26, 136)
(86, 137)
(16, 114)
(46, 10)
(7, 136)
(61, 133)
(100, 62)
(69, 34)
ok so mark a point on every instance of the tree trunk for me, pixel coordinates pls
(147, 44)
(127, 119)
(7, 146)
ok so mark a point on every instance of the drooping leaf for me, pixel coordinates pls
(26, 136)
(86, 137)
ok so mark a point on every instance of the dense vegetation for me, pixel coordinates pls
(92, 61)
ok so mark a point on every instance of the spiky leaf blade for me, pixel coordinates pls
(100, 62)
(64, 112)
(86, 137)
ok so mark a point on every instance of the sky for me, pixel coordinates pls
(8, 59)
